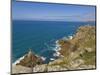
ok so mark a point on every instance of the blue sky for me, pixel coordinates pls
(51, 12)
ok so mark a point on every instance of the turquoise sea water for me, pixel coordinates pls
(40, 36)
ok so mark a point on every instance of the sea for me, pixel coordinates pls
(40, 36)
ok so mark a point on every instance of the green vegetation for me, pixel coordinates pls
(82, 45)
(88, 57)
(76, 53)
(90, 43)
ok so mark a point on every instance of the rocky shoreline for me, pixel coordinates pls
(77, 52)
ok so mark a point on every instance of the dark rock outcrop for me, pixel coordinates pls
(30, 60)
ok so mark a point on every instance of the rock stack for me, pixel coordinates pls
(30, 60)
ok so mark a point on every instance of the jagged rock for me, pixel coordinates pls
(30, 60)
(76, 53)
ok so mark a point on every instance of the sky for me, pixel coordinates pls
(51, 12)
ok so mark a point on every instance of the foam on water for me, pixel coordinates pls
(41, 37)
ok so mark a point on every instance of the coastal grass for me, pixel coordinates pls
(90, 43)
(88, 57)
(64, 62)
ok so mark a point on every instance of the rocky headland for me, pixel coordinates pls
(76, 53)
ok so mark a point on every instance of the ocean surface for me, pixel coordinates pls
(40, 36)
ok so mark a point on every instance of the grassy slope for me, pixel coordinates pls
(82, 46)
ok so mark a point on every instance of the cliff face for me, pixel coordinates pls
(75, 53)
(78, 52)
(83, 39)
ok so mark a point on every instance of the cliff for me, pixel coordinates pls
(76, 53)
